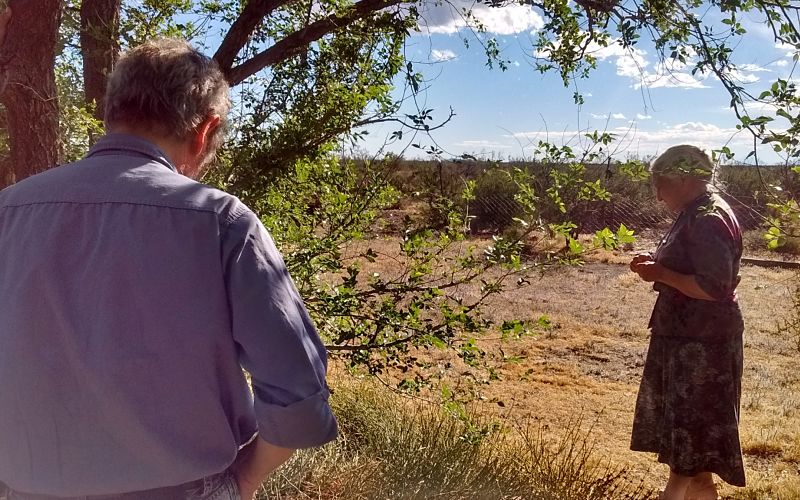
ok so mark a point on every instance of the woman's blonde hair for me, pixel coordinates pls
(684, 161)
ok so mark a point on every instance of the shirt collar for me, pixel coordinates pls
(116, 142)
(693, 205)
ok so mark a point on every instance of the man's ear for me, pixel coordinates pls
(204, 133)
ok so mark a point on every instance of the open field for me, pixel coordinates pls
(585, 368)
(591, 363)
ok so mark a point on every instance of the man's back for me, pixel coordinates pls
(119, 368)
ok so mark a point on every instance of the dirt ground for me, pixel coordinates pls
(589, 366)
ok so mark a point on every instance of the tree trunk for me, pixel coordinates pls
(99, 48)
(27, 63)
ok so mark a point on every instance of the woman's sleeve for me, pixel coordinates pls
(713, 249)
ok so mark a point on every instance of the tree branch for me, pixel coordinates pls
(299, 40)
(418, 128)
(242, 28)
(416, 333)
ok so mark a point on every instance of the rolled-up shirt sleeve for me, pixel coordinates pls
(276, 340)
(711, 246)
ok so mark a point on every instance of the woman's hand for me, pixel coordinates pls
(642, 257)
(649, 271)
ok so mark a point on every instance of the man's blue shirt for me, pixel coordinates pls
(131, 297)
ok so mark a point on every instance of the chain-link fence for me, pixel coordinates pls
(494, 212)
(632, 202)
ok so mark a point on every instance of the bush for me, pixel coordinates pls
(783, 227)
(494, 207)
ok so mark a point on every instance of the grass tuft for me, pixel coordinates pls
(393, 448)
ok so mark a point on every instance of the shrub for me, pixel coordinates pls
(494, 207)
(783, 227)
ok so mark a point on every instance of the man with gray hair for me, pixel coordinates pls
(131, 296)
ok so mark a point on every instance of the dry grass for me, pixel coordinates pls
(395, 448)
(588, 366)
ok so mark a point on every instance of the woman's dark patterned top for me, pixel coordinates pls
(705, 241)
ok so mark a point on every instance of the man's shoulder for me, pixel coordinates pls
(125, 180)
(26, 190)
(156, 185)
(204, 197)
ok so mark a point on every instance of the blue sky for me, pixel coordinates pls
(647, 105)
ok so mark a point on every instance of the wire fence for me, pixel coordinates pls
(632, 202)
(493, 213)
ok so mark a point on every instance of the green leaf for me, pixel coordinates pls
(544, 322)
(435, 341)
(575, 248)
(605, 239)
(514, 329)
(625, 235)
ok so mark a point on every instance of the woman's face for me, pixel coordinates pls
(670, 190)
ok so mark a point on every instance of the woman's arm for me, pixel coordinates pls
(685, 283)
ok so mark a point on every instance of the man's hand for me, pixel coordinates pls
(247, 489)
(254, 463)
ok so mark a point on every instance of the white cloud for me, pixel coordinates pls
(449, 18)
(640, 116)
(612, 50)
(781, 63)
(753, 109)
(741, 76)
(789, 50)
(753, 68)
(650, 142)
(673, 73)
(632, 63)
(704, 135)
(664, 77)
(631, 66)
(438, 55)
(618, 116)
(598, 116)
(482, 144)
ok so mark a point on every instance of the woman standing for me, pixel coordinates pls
(687, 410)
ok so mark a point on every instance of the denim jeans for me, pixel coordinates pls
(220, 486)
